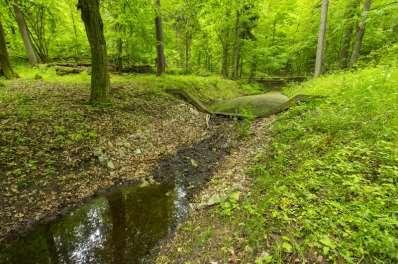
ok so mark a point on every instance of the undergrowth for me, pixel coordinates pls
(326, 189)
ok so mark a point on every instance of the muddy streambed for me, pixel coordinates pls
(127, 224)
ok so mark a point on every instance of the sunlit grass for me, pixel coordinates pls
(328, 184)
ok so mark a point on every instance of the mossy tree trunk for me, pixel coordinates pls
(5, 66)
(161, 58)
(27, 40)
(100, 83)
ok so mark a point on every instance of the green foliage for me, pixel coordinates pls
(269, 37)
(230, 204)
(328, 184)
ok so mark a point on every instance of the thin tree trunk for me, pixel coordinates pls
(187, 52)
(210, 63)
(5, 66)
(119, 47)
(27, 41)
(274, 32)
(100, 83)
(320, 53)
(161, 59)
(360, 33)
(225, 60)
(236, 51)
(348, 32)
(253, 68)
(76, 39)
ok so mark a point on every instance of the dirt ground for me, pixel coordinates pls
(56, 151)
(205, 237)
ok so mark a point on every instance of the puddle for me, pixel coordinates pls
(126, 225)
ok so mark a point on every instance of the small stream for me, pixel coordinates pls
(127, 224)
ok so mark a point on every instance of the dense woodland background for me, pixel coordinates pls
(230, 37)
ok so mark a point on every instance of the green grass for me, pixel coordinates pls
(326, 189)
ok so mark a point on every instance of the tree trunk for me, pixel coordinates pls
(161, 59)
(76, 38)
(209, 63)
(360, 33)
(188, 40)
(100, 83)
(253, 68)
(119, 47)
(320, 53)
(5, 66)
(27, 41)
(236, 51)
(348, 32)
(225, 60)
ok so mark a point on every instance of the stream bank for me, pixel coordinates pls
(57, 152)
(127, 222)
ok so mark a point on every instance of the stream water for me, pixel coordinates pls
(119, 227)
(125, 225)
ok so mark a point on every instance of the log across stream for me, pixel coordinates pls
(127, 224)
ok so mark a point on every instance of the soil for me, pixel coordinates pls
(205, 237)
(57, 152)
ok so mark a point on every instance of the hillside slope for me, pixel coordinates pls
(325, 188)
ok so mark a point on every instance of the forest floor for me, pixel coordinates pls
(320, 184)
(56, 151)
(316, 184)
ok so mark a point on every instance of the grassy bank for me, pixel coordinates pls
(325, 189)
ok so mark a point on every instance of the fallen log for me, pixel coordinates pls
(141, 69)
(254, 106)
(137, 69)
(61, 71)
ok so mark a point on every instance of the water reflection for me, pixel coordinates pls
(125, 225)
(120, 227)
